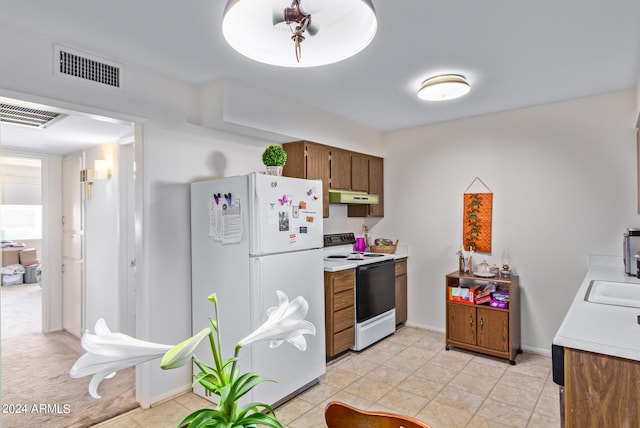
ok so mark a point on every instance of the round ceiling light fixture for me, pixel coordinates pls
(444, 87)
(299, 33)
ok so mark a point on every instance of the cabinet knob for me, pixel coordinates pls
(470, 320)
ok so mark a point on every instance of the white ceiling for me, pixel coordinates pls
(67, 135)
(514, 54)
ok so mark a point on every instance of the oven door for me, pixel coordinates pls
(375, 289)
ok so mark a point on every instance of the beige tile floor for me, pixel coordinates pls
(410, 373)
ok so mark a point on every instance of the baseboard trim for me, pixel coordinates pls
(424, 326)
(531, 349)
(170, 395)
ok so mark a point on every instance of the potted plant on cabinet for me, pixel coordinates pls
(274, 157)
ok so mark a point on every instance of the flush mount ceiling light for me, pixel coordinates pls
(299, 33)
(443, 87)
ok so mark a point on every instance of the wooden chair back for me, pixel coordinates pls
(340, 415)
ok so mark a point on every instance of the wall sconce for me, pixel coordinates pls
(102, 171)
(86, 178)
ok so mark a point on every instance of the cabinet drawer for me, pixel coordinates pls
(401, 267)
(344, 280)
(342, 300)
(343, 319)
(344, 340)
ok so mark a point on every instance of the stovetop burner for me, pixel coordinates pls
(339, 247)
(369, 254)
(353, 256)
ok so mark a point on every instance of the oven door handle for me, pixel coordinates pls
(371, 266)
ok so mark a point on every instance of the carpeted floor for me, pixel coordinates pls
(36, 388)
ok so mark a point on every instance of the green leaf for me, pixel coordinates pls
(244, 410)
(260, 419)
(203, 418)
(202, 364)
(246, 382)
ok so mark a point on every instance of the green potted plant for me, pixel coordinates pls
(274, 157)
(109, 352)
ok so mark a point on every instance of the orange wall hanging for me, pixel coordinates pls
(476, 219)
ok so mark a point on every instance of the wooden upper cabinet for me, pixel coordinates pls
(359, 172)
(375, 180)
(317, 160)
(376, 185)
(340, 169)
(296, 164)
(311, 161)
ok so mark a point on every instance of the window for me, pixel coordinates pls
(21, 222)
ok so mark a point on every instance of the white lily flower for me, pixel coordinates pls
(286, 322)
(109, 352)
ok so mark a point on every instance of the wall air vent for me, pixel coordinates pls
(27, 116)
(77, 64)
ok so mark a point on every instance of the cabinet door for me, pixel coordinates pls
(317, 168)
(295, 166)
(359, 173)
(376, 185)
(461, 324)
(493, 329)
(340, 169)
(339, 311)
(401, 291)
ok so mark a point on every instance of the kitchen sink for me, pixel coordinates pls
(613, 293)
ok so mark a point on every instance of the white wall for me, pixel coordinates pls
(564, 183)
(102, 242)
(172, 159)
(244, 109)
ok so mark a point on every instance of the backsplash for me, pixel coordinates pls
(338, 222)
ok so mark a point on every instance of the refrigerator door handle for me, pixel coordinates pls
(254, 217)
(256, 294)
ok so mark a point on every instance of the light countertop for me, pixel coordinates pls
(335, 266)
(402, 252)
(600, 328)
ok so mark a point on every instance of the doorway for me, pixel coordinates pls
(36, 348)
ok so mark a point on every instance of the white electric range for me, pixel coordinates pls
(375, 288)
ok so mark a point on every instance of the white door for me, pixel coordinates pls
(72, 235)
(128, 297)
(299, 273)
(287, 214)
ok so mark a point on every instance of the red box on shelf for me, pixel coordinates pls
(463, 294)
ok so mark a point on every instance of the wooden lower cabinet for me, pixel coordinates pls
(339, 309)
(493, 329)
(482, 328)
(401, 291)
(600, 390)
(461, 324)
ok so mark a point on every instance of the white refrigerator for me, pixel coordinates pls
(250, 236)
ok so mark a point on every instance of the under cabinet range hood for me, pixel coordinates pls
(350, 197)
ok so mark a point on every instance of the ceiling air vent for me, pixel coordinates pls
(77, 64)
(27, 116)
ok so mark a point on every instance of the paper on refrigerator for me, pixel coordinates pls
(225, 221)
